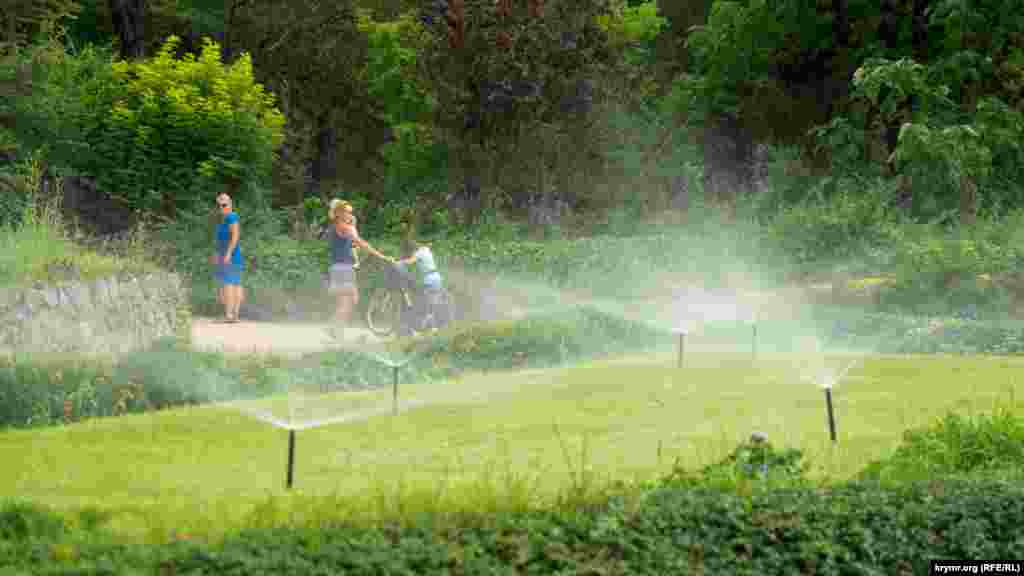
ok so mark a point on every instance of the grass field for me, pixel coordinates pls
(486, 441)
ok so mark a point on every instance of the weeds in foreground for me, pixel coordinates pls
(957, 444)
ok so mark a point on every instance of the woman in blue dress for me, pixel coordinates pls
(227, 260)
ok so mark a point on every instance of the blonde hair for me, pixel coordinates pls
(334, 205)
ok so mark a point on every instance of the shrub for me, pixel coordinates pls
(890, 333)
(634, 23)
(756, 458)
(23, 522)
(42, 391)
(156, 133)
(46, 391)
(859, 528)
(851, 226)
(636, 263)
(34, 394)
(956, 444)
(937, 272)
(539, 340)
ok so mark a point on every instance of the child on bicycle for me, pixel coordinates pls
(428, 281)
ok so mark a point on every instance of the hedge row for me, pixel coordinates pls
(590, 262)
(906, 334)
(668, 528)
(40, 393)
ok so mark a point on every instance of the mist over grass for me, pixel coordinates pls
(513, 441)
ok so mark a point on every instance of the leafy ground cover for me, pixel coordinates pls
(666, 528)
(54, 389)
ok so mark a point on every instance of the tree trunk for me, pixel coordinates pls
(682, 15)
(919, 30)
(128, 18)
(836, 86)
(728, 148)
(11, 35)
(326, 162)
(888, 26)
(968, 200)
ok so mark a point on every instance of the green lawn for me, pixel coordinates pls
(496, 441)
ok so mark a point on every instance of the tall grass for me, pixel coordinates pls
(39, 247)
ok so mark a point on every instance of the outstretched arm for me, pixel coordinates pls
(352, 233)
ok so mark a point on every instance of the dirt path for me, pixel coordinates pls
(248, 337)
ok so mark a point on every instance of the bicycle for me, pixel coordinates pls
(403, 308)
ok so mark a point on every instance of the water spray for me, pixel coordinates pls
(291, 458)
(831, 414)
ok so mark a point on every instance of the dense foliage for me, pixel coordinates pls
(858, 137)
(668, 528)
(163, 133)
(62, 390)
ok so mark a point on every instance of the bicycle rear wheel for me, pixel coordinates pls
(382, 313)
(442, 311)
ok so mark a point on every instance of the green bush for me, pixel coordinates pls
(48, 391)
(852, 226)
(888, 333)
(860, 528)
(634, 23)
(44, 391)
(754, 459)
(33, 394)
(636, 263)
(22, 522)
(937, 271)
(539, 340)
(957, 444)
(158, 133)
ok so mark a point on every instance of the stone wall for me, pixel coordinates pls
(110, 315)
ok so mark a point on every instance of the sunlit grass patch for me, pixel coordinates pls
(485, 441)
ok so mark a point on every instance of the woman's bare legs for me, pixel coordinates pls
(233, 297)
(345, 302)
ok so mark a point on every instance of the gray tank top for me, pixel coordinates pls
(341, 248)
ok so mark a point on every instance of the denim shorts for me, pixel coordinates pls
(230, 273)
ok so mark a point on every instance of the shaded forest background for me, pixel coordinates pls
(556, 112)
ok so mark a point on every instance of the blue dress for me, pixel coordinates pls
(230, 273)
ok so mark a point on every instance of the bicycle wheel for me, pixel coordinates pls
(448, 309)
(382, 313)
(442, 312)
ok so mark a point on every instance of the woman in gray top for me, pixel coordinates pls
(343, 237)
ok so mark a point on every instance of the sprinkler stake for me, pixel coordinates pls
(291, 457)
(394, 392)
(682, 347)
(753, 340)
(831, 415)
